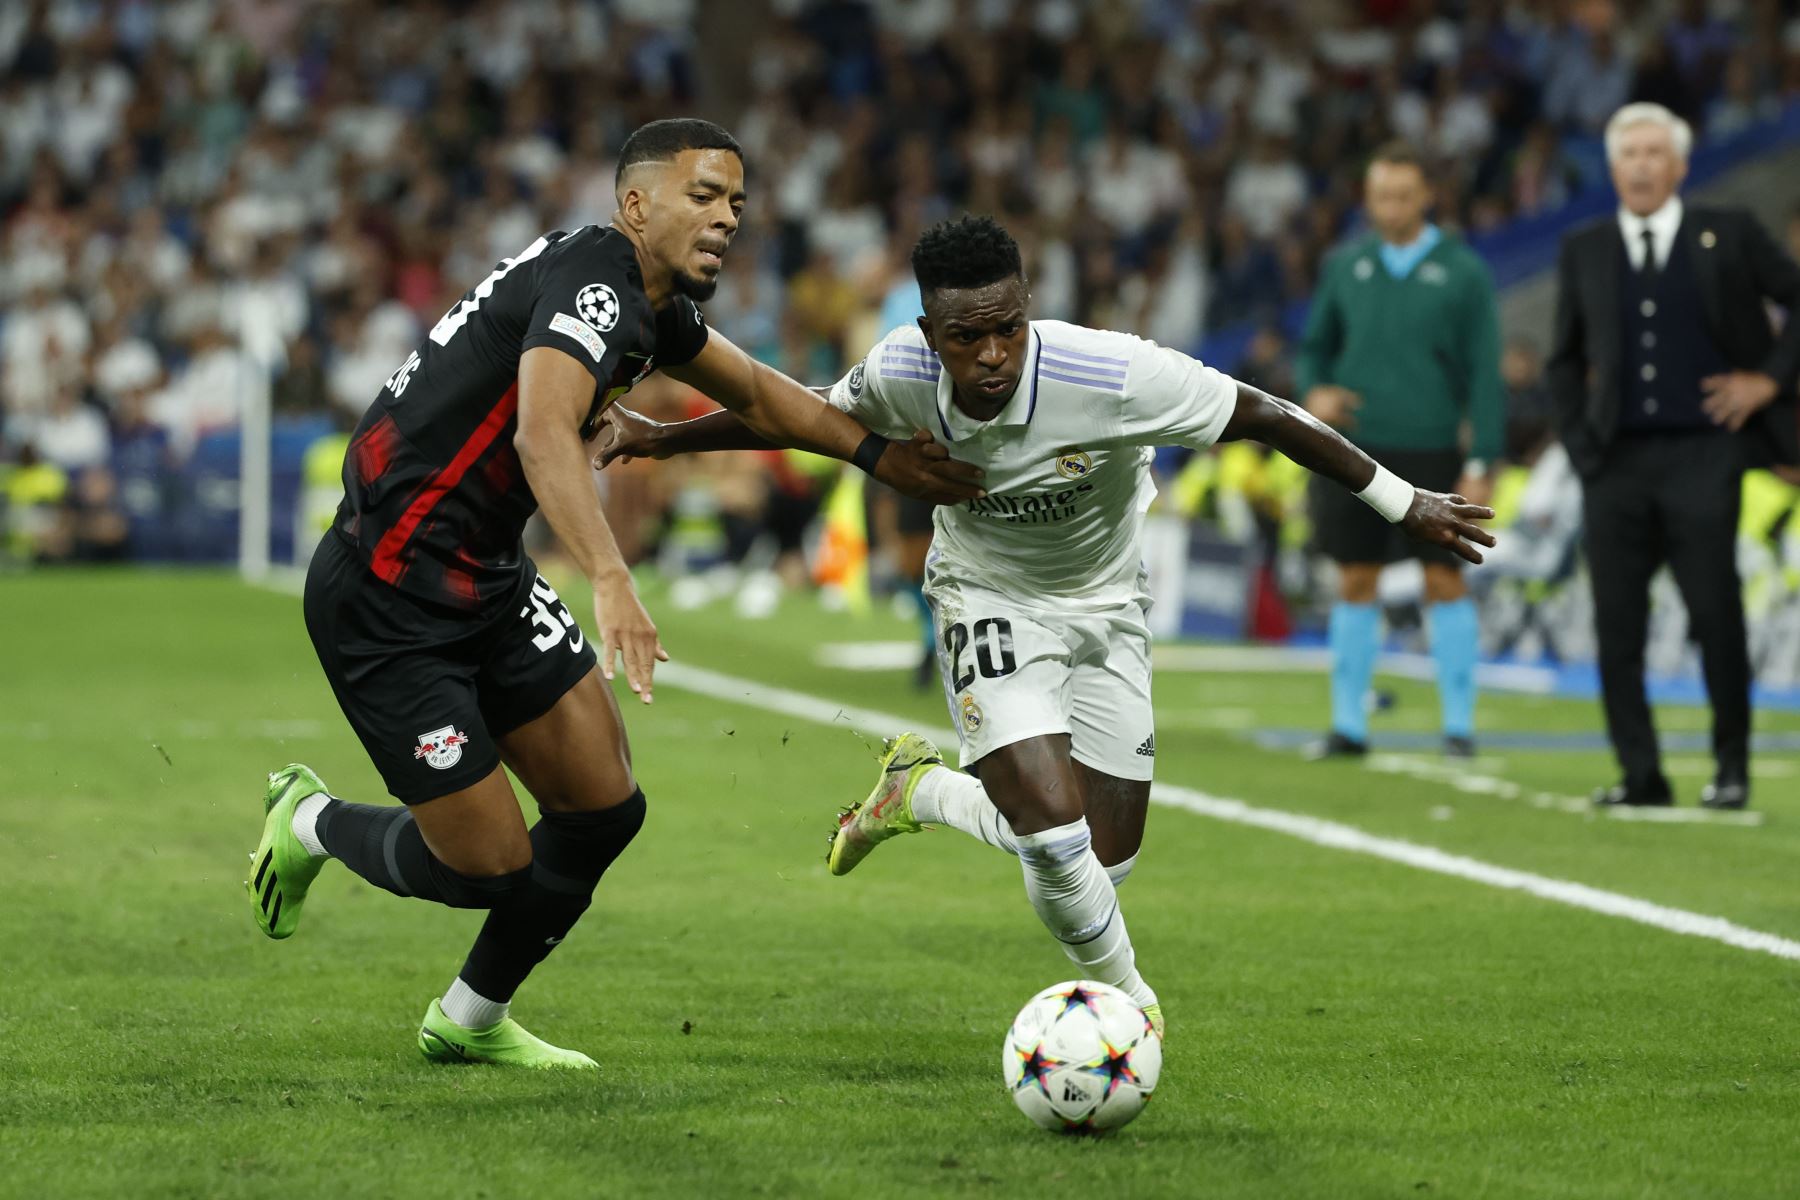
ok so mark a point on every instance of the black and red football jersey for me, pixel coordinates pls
(434, 496)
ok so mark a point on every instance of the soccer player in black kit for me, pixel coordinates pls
(450, 654)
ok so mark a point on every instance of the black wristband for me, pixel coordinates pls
(869, 452)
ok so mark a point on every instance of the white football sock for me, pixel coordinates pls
(1119, 871)
(957, 799)
(306, 822)
(1078, 905)
(468, 1008)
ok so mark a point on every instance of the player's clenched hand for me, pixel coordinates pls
(625, 435)
(1448, 521)
(626, 630)
(924, 470)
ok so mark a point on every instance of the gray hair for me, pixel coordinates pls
(1680, 132)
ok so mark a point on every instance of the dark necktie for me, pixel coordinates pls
(1649, 267)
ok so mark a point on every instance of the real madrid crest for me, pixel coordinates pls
(971, 714)
(1072, 462)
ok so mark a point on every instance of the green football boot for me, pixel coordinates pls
(502, 1044)
(281, 868)
(1153, 1014)
(887, 810)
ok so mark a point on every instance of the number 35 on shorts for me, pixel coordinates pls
(552, 618)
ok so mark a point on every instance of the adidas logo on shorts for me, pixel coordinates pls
(1148, 749)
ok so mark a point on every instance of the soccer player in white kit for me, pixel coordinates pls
(1037, 588)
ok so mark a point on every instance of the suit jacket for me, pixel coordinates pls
(1739, 266)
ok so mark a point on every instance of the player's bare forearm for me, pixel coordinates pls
(1287, 427)
(722, 430)
(640, 437)
(1447, 521)
(768, 403)
(778, 409)
(554, 392)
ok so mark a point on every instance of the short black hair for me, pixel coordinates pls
(659, 141)
(968, 252)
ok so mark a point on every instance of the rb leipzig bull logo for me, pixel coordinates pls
(442, 748)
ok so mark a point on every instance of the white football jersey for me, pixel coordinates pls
(1067, 459)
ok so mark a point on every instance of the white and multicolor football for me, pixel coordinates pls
(1081, 1058)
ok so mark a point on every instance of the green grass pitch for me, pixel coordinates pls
(1340, 1026)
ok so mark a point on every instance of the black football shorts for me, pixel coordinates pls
(1346, 530)
(428, 689)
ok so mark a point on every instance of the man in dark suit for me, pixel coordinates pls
(1669, 380)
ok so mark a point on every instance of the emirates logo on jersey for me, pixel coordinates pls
(1031, 509)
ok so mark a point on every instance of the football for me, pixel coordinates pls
(1081, 1058)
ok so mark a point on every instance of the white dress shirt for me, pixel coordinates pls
(1663, 224)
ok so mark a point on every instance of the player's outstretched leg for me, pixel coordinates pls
(940, 795)
(887, 810)
(1036, 785)
(574, 761)
(957, 799)
(570, 852)
(283, 867)
(1079, 905)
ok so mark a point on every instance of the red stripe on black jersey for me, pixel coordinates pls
(386, 561)
(435, 498)
(371, 453)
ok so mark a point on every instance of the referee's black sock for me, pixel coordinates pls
(382, 843)
(570, 851)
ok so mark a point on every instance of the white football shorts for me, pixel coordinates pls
(1013, 671)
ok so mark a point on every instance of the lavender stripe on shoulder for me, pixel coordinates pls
(1098, 384)
(1082, 354)
(1080, 368)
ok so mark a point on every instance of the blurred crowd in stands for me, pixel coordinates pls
(206, 200)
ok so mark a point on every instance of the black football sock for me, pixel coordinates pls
(570, 851)
(382, 843)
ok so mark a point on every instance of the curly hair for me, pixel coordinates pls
(968, 252)
(659, 141)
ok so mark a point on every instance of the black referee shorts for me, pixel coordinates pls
(428, 689)
(1346, 530)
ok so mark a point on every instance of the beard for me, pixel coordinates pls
(695, 288)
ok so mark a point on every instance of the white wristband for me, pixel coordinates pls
(1388, 494)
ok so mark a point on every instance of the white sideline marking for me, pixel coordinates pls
(869, 656)
(1310, 829)
(1457, 775)
(1308, 660)
(1266, 660)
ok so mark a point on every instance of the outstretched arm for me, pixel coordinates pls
(1447, 521)
(555, 392)
(783, 413)
(630, 434)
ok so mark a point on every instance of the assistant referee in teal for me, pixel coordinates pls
(1401, 352)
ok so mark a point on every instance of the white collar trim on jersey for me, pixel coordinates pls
(957, 425)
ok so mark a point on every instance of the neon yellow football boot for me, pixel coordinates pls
(887, 810)
(503, 1044)
(281, 869)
